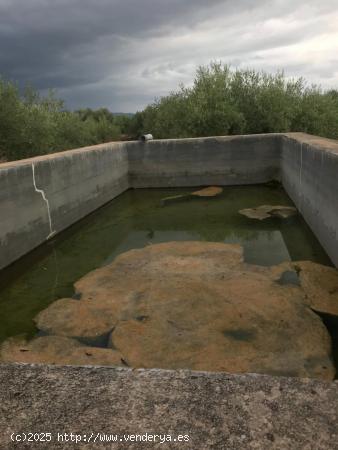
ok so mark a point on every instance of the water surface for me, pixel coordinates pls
(135, 219)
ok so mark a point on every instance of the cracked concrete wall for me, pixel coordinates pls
(42, 196)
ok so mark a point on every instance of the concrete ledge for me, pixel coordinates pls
(217, 411)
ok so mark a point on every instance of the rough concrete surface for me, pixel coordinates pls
(309, 167)
(39, 197)
(223, 160)
(42, 196)
(217, 411)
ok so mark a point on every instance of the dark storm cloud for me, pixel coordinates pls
(123, 53)
(46, 40)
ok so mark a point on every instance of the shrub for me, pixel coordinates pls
(32, 125)
(222, 101)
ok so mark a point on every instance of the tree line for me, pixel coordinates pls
(221, 101)
(31, 124)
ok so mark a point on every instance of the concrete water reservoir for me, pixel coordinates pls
(42, 196)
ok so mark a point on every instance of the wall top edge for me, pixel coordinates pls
(319, 142)
(217, 138)
(63, 154)
(123, 144)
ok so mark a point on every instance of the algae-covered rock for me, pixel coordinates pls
(320, 284)
(73, 318)
(244, 323)
(57, 350)
(268, 211)
(122, 281)
(198, 305)
(283, 212)
(211, 191)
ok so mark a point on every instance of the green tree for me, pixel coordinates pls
(31, 124)
(318, 113)
(222, 101)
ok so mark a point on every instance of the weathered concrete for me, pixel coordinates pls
(216, 411)
(42, 196)
(309, 169)
(220, 161)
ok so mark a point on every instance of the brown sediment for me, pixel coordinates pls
(193, 305)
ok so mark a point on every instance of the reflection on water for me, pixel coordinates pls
(136, 219)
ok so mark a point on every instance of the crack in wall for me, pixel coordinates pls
(42, 192)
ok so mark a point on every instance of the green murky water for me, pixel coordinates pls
(136, 219)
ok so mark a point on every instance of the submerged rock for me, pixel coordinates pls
(320, 284)
(242, 324)
(211, 191)
(194, 305)
(268, 211)
(121, 283)
(73, 318)
(57, 350)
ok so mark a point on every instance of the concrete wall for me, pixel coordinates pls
(204, 161)
(42, 196)
(309, 167)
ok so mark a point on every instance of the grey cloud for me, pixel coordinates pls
(123, 53)
(46, 41)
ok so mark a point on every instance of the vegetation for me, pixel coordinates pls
(33, 125)
(221, 101)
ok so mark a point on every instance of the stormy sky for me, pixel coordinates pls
(121, 54)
